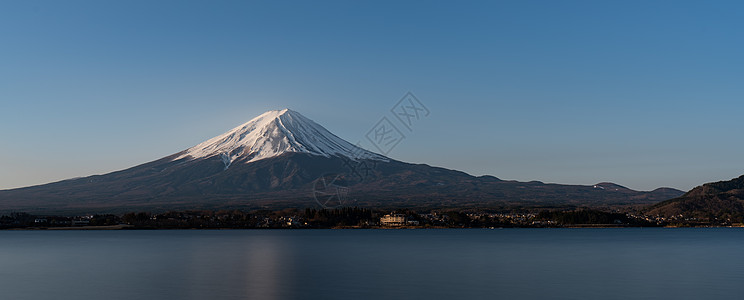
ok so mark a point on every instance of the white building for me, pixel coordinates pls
(393, 220)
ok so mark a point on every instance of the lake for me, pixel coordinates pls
(628, 263)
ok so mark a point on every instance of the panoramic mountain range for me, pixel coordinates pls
(281, 159)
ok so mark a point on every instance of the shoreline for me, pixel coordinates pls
(132, 227)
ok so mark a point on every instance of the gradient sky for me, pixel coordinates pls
(641, 93)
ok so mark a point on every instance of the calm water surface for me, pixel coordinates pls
(637, 263)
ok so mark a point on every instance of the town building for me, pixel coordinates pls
(393, 220)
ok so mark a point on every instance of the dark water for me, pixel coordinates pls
(373, 264)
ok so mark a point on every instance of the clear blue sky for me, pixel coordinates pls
(641, 93)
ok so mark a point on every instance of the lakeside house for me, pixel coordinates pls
(393, 220)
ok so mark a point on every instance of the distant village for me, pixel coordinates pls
(349, 217)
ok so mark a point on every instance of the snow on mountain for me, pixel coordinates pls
(274, 133)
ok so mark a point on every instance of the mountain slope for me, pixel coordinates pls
(277, 159)
(723, 200)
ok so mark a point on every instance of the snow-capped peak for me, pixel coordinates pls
(274, 133)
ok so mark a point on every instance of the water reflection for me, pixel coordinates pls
(373, 264)
(226, 265)
(266, 263)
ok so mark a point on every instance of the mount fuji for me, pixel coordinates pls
(281, 159)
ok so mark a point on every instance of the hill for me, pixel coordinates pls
(722, 201)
